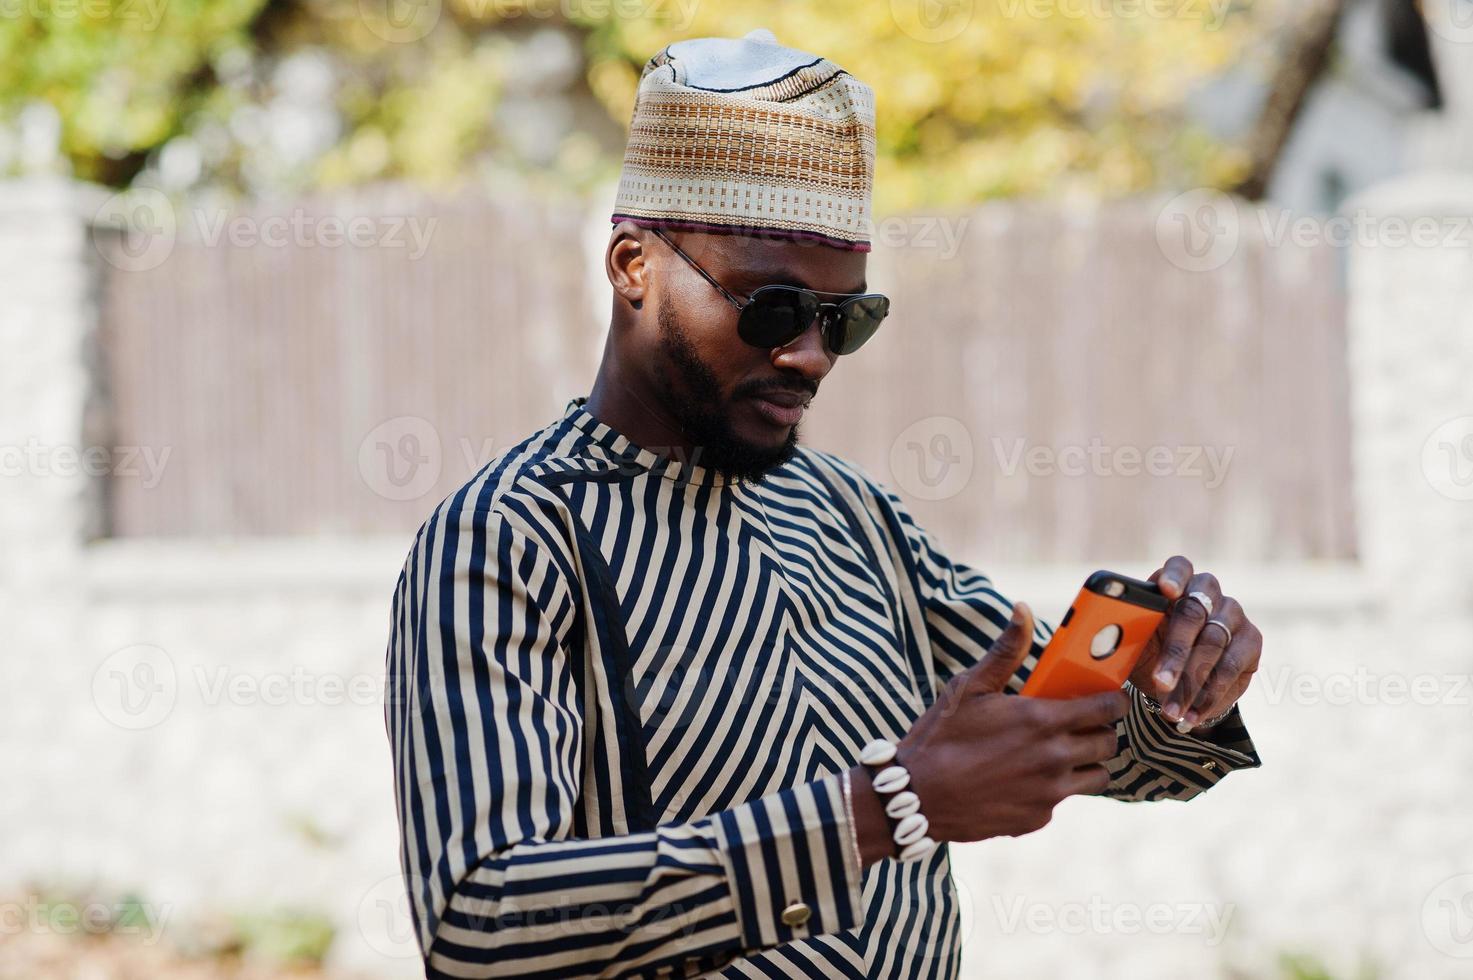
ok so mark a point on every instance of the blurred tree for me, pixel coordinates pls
(122, 76)
(976, 100)
(1307, 45)
(998, 97)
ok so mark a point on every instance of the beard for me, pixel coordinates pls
(692, 395)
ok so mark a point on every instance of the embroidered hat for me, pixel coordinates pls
(746, 136)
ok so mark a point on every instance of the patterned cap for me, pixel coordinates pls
(749, 137)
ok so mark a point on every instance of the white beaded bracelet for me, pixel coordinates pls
(903, 806)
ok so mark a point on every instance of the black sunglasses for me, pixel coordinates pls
(777, 315)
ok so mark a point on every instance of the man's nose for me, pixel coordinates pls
(806, 354)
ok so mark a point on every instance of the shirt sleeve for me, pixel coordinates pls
(487, 734)
(964, 614)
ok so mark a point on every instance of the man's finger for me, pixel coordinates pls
(1210, 647)
(1230, 677)
(1005, 655)
(1173, 576)
(1093, 711)
(1088, 748)
(1183, 623)
(1089, 780)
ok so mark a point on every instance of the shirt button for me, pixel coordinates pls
(796, 914)
(1209, 764)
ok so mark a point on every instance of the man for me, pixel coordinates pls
(636, 658)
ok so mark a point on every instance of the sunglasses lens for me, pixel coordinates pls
(776, 315)
(857, 322)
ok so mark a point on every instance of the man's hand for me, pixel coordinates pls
(990, 764)
(1190, 665)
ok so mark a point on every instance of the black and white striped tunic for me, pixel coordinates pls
(621, 693)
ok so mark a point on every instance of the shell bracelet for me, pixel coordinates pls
(902, 805)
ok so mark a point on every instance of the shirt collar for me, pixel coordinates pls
(626, 452)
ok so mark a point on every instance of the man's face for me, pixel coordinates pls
(740, 405)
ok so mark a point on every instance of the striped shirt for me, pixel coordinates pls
(623, 690)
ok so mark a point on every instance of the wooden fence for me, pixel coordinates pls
(1049, 386)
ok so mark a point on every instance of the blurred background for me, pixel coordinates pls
(1169, 276)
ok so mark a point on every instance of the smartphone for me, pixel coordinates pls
(1100, 638)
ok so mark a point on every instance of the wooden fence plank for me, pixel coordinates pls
(1060, 332)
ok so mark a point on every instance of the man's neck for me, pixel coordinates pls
(635, 413)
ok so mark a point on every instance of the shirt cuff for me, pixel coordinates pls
(790, 858)
(1197, 759)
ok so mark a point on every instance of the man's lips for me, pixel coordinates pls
(781, 406)
(786, 397)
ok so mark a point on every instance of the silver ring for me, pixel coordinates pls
(1225, 628)
(1204, 599)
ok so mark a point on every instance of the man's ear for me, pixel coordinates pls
(624, 262)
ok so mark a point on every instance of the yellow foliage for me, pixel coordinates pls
(980, 98)
(975, 98)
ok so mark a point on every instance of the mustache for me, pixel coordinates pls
(807, 389)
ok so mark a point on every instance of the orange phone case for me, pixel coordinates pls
(1068, 667)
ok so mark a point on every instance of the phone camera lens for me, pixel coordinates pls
(1105, 642)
